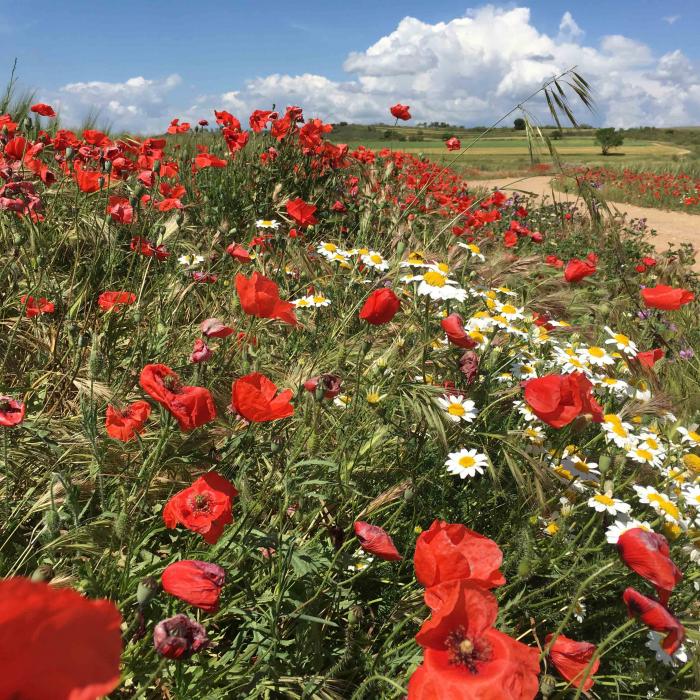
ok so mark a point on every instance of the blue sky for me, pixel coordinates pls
(216, 48)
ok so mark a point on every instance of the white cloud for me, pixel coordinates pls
(671, 19)
(468, 70)
(568, 29)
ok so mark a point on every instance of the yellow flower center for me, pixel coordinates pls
(651, 443)
(644, 454)
(330, 247)
(621, 339)
(664, 504)
(692, 462)
(373, 397)
(508, 309)
(456, 409)
(434, 279)
(474, 248)
(319, 300)
(376, 259)
(596, 351)
(619, 430)
(467, 462)
(605, 500)
(694, 436)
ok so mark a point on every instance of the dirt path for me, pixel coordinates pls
(671, 226)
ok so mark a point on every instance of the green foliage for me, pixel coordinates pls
(519, 124)
(608, 138)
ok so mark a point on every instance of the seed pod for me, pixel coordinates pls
(147, 590)
(548, 685)
(43, 573)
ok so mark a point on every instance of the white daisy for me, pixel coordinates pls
(330, 251)
(691, 436)
(466, 463)
(691, 495)
(621, 342)
(438, 286)
(474, 251)
(617, 386)
(374, 260)
(268, 223)
(661, 503)
(189, 261)
(605, 503)
(596, 356)
(618, 432)
(643, 455)
(679, 657)
(619, 527)
(342, 401)
(458, 408)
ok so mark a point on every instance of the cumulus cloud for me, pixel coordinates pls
(468, 70)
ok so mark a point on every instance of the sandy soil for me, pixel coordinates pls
(671, 226)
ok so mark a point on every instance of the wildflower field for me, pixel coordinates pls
(285, 419)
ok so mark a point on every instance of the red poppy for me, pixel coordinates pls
(205, 507)
(449, 551)
(114, 301)
(666, 298)
(558, 399)
(33, 307)
(330, 383)
(200, 351)
(554, 261)
(238, 252)
(208, 160)
(11, 412)
(649, 262)
(259, 119)
(198, 583)
(374, 540)
(577, 269)
(124, 425)
(649, 358)
(453, 144)
(656, 617)
(648, 555)
(191, 406)
(456, 334)
(255, 398)
(259, 296)
(302, 212)
(43, 109)
(571, 659)
(380, 307)
(145, 247)
(510, 238)
(88, 180)
(120, 209)
(465, 657)
(213, 328)
(400, 111)
(56, 644)
(224, 118)
(179, 637)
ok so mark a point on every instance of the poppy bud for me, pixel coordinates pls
(400, 248)
(69, 153)
(366, 347)
(179, 637)
(547, 686)
(147, 590)
(604, 463)
(18, 239)
(524, 569)
(107, 166)
(51, 521)
(156, 166)
(43, 574)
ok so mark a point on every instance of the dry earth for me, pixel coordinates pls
(671, 226)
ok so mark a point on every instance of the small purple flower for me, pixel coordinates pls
(686, 353)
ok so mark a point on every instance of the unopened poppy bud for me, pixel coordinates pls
(156, 166)
(355, 615)
(147, 590)
(547, 685)
(18, 239)
(400, 248)
(107, 166)
(101, 182)
(604, 463)
(120, 523)
(608, 486)
(43, 574)
(620, 460)
(51, 521)
(366, 347)
(27, 123)
(408, 494)
(179, 637)
(524, 569)
(69, 153)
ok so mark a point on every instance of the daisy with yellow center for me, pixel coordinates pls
(342, 401)
(474, 251)
(534, 434)
(618, 432)
(692, 462)
(605, 503)
(596, 356)
(617, 386)
(621, 342)
(509, 311)
(438, 286)
(691, 436)
(466, 463)
(619, 527)
(458, 408)
(661, 503)
(568, 360)
(373, 397)
(374, 260)
(267, 223)
(643, 455)
(302, 303)
(551, 529)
